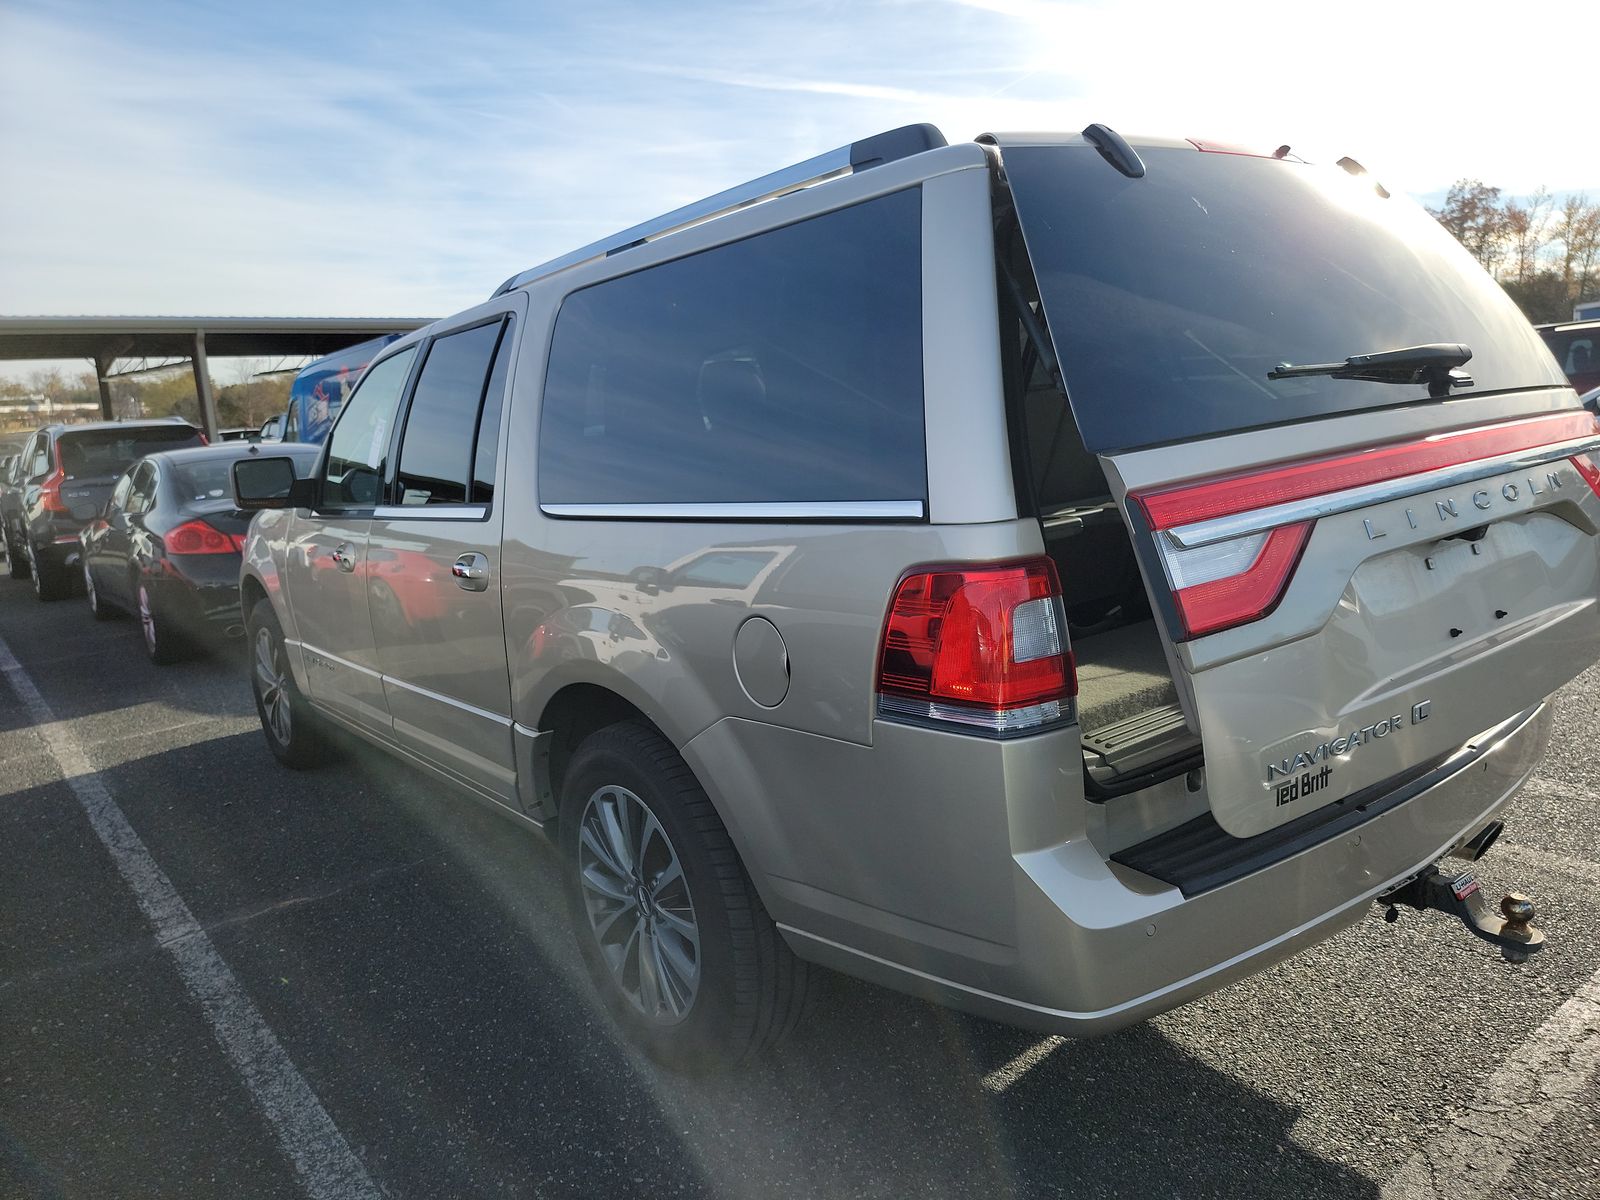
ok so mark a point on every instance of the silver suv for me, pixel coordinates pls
(1055, 575)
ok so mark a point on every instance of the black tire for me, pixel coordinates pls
(16, 561)
(163, 644)
(98, 608)
(751, 990)
(295, 733)
(50, 580)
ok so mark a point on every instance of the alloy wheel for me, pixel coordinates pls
(271, 684)
(638, 905)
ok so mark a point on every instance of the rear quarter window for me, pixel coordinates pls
(783, 368)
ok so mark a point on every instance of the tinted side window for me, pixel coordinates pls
(359, 446)
(119, 494)
(783, 368)
(143, 489)
(494, 398)
(436, 451)
(39, 457)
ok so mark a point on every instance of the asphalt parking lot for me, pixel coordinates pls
(354, 983)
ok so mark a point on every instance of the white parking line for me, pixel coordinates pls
(1485, 1139)
(323, 1159)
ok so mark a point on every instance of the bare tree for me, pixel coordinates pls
(1577, 228)
(1473, 213)
(1527, 228)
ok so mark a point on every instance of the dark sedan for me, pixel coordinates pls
(167, 547)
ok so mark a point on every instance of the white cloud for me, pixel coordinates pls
(407, 167)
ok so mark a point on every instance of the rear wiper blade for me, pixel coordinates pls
(1438, 365)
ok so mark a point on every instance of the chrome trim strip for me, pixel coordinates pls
(1221, 529)
(868, 510)
(433, 512)
(429, 694)
(331, 656)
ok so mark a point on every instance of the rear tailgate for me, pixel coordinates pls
(1353, 577)
(1360, 631)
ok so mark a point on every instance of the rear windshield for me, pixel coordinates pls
(1170, 297)
(1577, 351)
(201, 479)
(109, 451)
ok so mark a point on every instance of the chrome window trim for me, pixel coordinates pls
(1221, 529)
(866, 510)
(430, 512)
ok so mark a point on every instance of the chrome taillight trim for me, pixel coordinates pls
(1260, 520)
(1027, 718)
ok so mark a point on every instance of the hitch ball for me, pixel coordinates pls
(1518, 912)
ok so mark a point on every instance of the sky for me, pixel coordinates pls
(352, 158)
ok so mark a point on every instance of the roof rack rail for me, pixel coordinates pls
(857, 156)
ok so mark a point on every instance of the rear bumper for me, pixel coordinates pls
(203, 607)
(1093, 946)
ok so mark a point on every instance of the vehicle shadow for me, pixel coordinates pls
(84, 667)
(411, 951)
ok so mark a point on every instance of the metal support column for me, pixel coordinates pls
(202, 388)
(102, 367)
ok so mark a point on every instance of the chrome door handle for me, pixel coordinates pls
(471, 572)
(344, 557)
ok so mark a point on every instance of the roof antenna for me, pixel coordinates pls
(1282, 151)
(1115, 150)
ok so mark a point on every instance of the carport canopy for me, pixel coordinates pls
(104, 340)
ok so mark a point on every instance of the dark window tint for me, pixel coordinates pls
(783, 368)
(108, 451)
(1170, 297)
(436, 452)
(494, 397)
(359, 447)
(119, 494)
(1577, 351)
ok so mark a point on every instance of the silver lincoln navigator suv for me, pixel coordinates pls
(1055, 574)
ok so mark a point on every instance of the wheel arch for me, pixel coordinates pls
(583, 706)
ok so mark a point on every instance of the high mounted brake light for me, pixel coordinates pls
(1235, 580)
(979, 647)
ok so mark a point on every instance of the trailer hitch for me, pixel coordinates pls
(1460, 895)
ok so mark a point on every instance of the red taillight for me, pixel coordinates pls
(50, 487)
(1223, 496)
(196, 537)
(1239, 578)
(1249, 595)
(1590, 472)
(979, 646)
